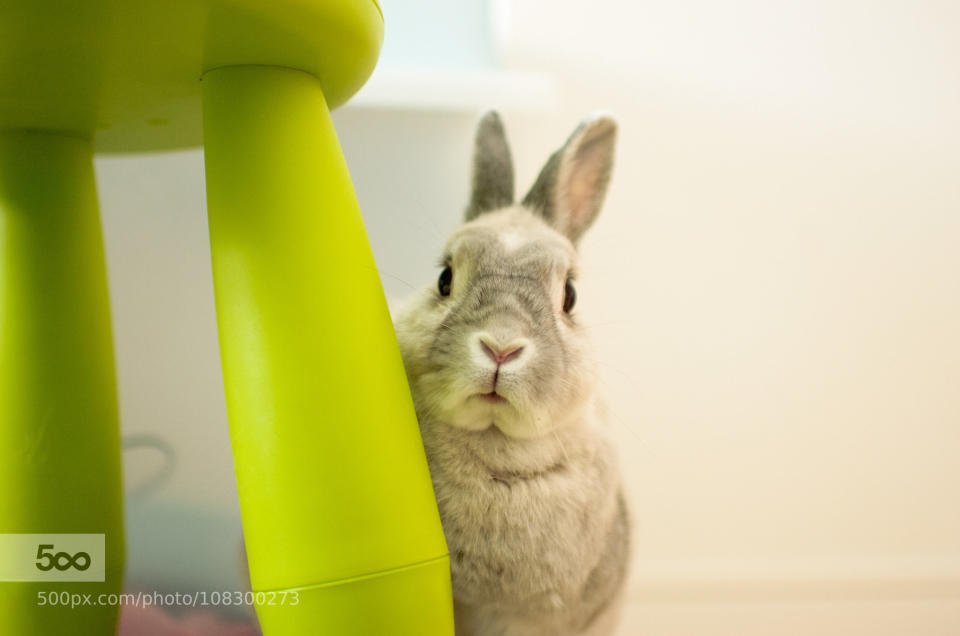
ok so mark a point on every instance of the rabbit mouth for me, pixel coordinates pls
(492, 397)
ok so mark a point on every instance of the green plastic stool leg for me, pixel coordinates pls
(342, 530)
(59, 438)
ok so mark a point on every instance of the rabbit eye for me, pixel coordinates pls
(569, 297)
(446, 280)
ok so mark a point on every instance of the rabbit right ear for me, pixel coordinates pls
(492, 186)
(570, 190)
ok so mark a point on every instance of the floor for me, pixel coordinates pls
(930, 617)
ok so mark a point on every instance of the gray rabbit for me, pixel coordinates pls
(525, 477)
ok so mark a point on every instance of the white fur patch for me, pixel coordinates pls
(513, 240)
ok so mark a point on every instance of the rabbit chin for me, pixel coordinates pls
(475, 414)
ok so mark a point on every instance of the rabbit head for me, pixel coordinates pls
(495, 342)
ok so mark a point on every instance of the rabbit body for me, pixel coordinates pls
(525, 477)
(537, 529)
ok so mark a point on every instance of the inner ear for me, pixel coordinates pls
(570, 189)
(492, 183)
(584, 177)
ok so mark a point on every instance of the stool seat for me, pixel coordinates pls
(128, 71)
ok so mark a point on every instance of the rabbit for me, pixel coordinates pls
(525, 477)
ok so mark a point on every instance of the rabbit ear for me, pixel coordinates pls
(570, 189)
(492, 168)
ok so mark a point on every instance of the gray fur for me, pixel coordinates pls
(540, 197)
(492, 186)
(528, 490)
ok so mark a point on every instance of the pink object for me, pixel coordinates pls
(153, 621)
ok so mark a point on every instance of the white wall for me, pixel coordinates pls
(775, 285)
(774, 290)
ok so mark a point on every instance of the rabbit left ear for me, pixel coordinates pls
(492, 186)
(570, 189)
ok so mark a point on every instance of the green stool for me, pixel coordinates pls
(342, 530)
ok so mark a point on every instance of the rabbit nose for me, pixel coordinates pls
(499, 353)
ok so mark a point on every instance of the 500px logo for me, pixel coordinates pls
(53, 557)
(61, 560)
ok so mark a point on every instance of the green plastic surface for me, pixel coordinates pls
(59, 447)
(331, 470)
(129, 70)
(411, 601)
(335, 493)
